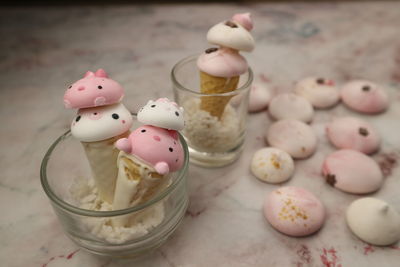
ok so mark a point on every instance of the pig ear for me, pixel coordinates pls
(101, 73)
(88, 74)
(173, 134)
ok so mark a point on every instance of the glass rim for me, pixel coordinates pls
(244, 87)
(93, 213)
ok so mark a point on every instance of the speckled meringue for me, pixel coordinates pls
(295, 137)
(290, 106)
(353, 133)
(294, 211)
(322, 93)
(272, 165)
(364, 96)
(352, 172)
(100, 123)
(259, 97)
(374, 221)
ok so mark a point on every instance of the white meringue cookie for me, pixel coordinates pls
(272, 165)
(291, 106)
(162, 113)
(259, 97)
(100, 123)
(374, 221)
(321, 93)
(234, 36)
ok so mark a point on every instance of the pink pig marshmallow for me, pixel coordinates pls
(158, 146)
(94, 89)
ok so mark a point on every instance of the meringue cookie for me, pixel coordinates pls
(162, 113)
(352, 172)
(353, 133)
(272, 165)
(231, 34)
(222, 62)
(291, 106)
(364, 96)
(374, 221)
(100, 123)
(295, 137)
(321, 92)
(294, 211)
(259, 97)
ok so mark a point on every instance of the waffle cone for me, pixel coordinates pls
(209, 84)
(136, 183)
(102, 157)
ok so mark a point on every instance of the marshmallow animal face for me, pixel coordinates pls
(100, 123)
(95, 89)
(162, 113)
(157, 146)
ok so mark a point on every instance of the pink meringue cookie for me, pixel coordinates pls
(156, 146)
(95, 89)
(364, 96)
(353, 133)
(259, 97)
(291, 106)
(295, 137)
(294, 211)
(352, 172)
(244, 19)
(222, 62)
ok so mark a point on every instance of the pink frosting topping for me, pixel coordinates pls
(157, 146)
(95, 89)
(244, 19)
(222, 62)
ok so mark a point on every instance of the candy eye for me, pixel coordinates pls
(100, 87)
(231, 24)
(153, 106)
(143, 131)
(115, 116)
(211, 50)
(177, 113)
(366, 88)
(170, 149)
(78, 118)
(320, 81)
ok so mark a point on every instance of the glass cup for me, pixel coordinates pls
(65, 176)
(213, 141)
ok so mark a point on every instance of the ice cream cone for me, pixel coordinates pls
(137, 182)
(210, 84)
(102, 157)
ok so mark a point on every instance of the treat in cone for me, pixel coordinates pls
(220, 68)
(98, 129)
(137, 182)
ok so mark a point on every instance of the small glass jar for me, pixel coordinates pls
(213, 141)
(65, 168)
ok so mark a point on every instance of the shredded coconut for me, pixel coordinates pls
(206, 133)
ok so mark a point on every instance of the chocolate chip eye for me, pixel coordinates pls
(143, 131)
(115, 116)
(100, 87)
(176, 160)
(153, 106)
(69, 87)
(177, 113)
(366, 88)
(363, 131)
(320, 81)
(170, 149)
(231, 24)
(95, 113)
(211, 50)
(78, 118)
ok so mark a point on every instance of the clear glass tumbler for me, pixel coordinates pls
(212, 141)
(65, 174)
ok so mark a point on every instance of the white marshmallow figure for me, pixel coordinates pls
(162, 113)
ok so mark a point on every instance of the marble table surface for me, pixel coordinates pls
(43, 50)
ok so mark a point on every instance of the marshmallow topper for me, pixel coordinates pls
(94, 89)
(162, 113)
